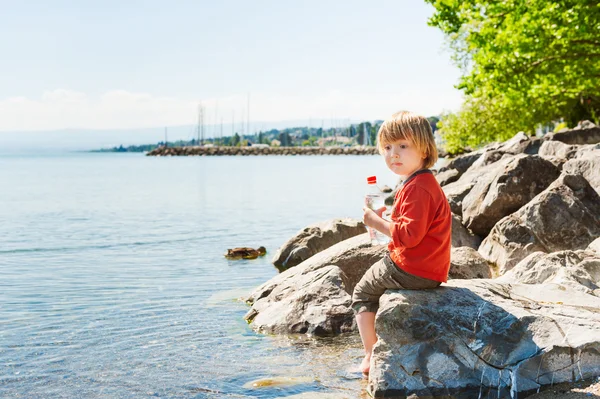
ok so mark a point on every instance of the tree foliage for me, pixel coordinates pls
(524, 63)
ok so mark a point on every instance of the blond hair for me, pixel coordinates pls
(404, 125)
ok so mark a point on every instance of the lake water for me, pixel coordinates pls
(113, 281)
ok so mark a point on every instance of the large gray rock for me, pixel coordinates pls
(479, 337)
(588, 166)
(595, 246)
(456, 167)
(557, 152)
(314, 297)
(577, 269)
(462, 162)
(458, 190)
(447, 176)
(466, 263)
(315, 238)
(461, 236)
(518, 144)
(564, 216)
(580, 135)
(505, 190)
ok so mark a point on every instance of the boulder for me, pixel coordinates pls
(456, 167)
(557, 152)
(587, 165)
(564, 216)
(577, 269)
(447, 176)
(506, 189)
(479, 338)
(315, 238)
(595, 245)
(583, 134)
(466, 263)
(462, 162)
(456, 191)
(518, 144)
(588, 150)
(314, 297)
(489, 157)
(461, 236)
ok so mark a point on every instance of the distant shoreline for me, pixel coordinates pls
(256, 150)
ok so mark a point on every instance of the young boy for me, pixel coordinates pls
(420, 229)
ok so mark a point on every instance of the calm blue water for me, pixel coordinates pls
(113, 281)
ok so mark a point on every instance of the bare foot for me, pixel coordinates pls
(365, 365)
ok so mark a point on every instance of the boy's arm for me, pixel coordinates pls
(373, 219)
(416, 213)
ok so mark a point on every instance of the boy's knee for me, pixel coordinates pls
(361, 307)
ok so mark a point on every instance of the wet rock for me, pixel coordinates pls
(480, 336)
(314, 297)
(579, 270)
(278, 382)
(461, 236)
(245, 253)
(315, 238)
(466, 263)
(564, 216)
(504, 190)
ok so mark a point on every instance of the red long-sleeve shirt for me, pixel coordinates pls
(421, 229)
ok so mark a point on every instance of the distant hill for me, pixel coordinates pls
(90, 139)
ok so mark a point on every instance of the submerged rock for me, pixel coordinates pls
(278, 382)
(245, 253)
(480, 336)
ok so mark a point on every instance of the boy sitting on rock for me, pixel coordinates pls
(420, 229)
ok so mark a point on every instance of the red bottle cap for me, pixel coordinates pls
(372, 179)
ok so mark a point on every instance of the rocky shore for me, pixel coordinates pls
(259, 150)
(522, 308)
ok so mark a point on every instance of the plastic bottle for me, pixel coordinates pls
(375, 200)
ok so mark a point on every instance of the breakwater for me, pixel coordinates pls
(221, 151)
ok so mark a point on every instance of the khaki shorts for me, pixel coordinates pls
(382, 276)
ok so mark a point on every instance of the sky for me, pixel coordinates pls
(130, 64)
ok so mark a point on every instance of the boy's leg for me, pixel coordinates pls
(365, 301)
(366, 328)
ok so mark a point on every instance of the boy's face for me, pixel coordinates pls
(402, 157)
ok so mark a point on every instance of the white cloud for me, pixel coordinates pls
(61, 108)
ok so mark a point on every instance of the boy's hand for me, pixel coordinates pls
(371, 217)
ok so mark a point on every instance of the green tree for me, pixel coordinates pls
(285, 139)
(235, 141)
(524, 63)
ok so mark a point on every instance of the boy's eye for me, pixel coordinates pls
(403, 146)
(387, 147)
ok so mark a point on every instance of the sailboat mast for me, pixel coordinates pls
(248, 124)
